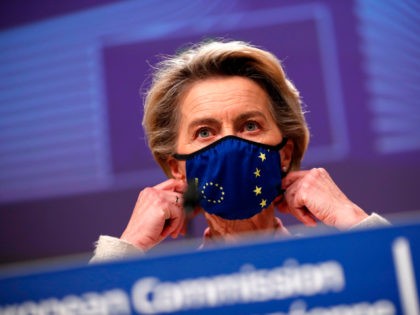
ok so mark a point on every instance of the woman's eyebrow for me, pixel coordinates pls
(202, 121)
(248, 115)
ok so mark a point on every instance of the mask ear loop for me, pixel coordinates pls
(281, 192)
(284, 171)
(191, 199)
(281, 145)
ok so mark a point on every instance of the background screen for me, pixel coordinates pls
(73, 155)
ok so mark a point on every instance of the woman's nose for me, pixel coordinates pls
(228, 131)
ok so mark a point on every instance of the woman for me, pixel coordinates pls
(224, 117)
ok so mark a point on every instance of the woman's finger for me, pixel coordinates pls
(291, 178)
(174, 212)
(282, 206)
(304, 216)
(172, 185)
(174, 221)
(157, 213)
(293, 201)
(172, 197)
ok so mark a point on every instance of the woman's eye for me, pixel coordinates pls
(251, 126)
(203, 133)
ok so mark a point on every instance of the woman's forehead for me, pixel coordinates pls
(221, 94)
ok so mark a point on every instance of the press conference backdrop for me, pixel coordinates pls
(73, 155)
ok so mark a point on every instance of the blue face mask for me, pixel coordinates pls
(235, 178)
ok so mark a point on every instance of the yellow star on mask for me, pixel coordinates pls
(262, 156)
(257, 190)
(263, 203)
(257, 173)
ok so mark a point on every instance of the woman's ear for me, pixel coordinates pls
(286, 155)
(177, 168)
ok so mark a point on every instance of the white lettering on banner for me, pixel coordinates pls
(405, 276)
(381, 307)
(150, 296)
(113, 302)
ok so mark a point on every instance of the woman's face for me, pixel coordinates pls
(217, 107)
(222, 106)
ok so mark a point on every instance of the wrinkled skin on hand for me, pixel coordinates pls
(312, 195)
(157, 214)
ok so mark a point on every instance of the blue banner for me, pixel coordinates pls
(359, 272)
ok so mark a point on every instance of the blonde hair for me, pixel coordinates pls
(211, 59)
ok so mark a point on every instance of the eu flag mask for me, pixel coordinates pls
(236, 178)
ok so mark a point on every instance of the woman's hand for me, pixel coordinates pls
(157, 214)
(312, 195)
